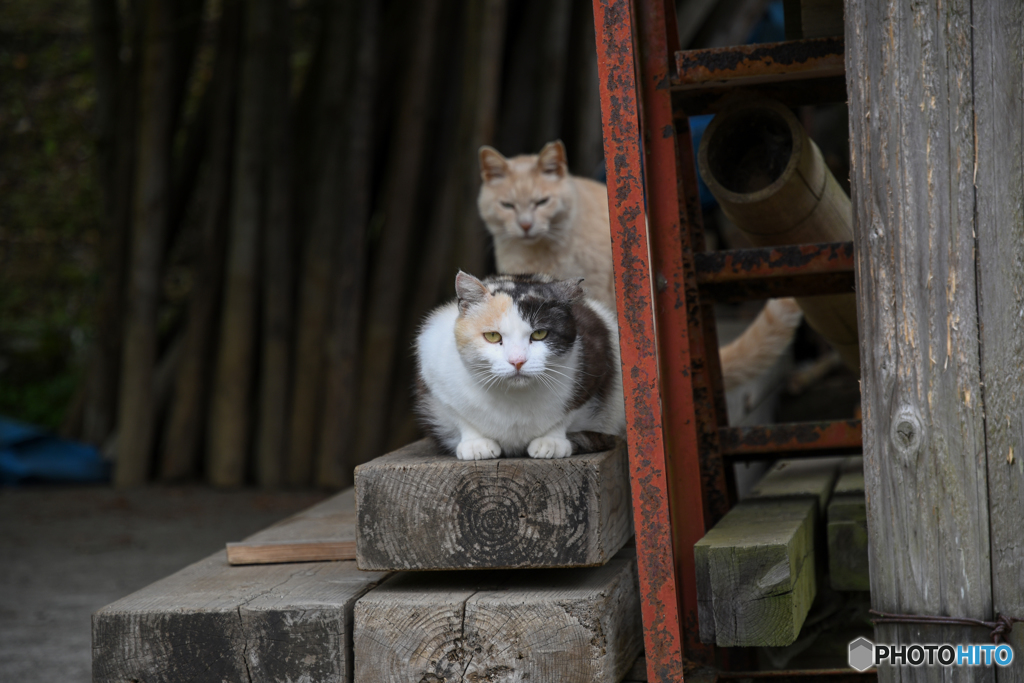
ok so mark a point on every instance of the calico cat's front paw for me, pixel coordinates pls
(549, 447)
(477, 449)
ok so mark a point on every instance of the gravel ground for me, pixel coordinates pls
(67, 552)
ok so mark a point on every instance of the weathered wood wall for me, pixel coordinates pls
(935, 119)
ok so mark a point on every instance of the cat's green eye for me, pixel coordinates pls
(542, 202)
(508, 205)
(492, 337)
(538, 335)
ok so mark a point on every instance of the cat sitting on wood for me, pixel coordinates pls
(545, 220)
(520, 364)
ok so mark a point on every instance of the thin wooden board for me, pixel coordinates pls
(324, 532)
(421, 509)
(571, 625)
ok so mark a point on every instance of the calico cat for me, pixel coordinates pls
(545, 220)
(520, 364)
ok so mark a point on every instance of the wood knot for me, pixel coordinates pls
(906, 433)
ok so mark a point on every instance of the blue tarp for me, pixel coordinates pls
(29, 453)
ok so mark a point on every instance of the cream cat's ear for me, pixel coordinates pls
(492, 165)
(469, 290)
(552, 159)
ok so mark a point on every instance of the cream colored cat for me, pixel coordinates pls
(545, 220)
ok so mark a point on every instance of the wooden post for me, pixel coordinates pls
(998, 111)
(136, 416)
(187, 420)
(230, 422)
(275, 361)
(914, 122)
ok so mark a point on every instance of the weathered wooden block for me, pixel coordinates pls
(756, 569)
(570, 625)
(420, 509)
(848, 530)
(214, 622)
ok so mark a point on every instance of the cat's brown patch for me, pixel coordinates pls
(484, 317)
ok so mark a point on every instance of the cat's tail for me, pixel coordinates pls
(761, 344)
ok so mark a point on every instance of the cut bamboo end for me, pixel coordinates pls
(771, 181)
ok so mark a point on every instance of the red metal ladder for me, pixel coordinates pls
(679, 446)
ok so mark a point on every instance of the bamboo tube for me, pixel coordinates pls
(772, 182)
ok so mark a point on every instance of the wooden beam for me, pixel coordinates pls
(214, 622)
(756, 569)
(913, 132)
(847, 530)
(422, 509)
(571, 626)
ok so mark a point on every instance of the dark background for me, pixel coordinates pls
(221, 221)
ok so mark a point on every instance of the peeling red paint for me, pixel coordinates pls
(788, 60)
(641, 385)
(803, 269)
(807, 439)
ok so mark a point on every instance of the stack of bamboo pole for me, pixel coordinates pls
(308, 170)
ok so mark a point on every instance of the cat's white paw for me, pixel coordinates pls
(477, 449)
(549, 447)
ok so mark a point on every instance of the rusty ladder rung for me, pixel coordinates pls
(794, 439)
(794, 72)
(797, 270)
(790, 60)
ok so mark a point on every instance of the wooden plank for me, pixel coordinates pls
(756, 569)
(421, 509)
(998, 53)
(912, 139)
(325, 531)
(847, 530)
(573, 625)
(213, 622)
(307, 550)
(811, 477)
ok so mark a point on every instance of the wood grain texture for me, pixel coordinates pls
(911, 81)
(998, 50)
(755, 573)
(756, 569)
(573, 625)
(213, 622)
(847, 530)
(325, 531)
(421, 509)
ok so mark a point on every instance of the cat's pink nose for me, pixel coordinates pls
(526, 225)
(518, 364)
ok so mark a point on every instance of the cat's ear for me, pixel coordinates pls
(470, 291)
(570, 290)
(493, 166)
(552, 159)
